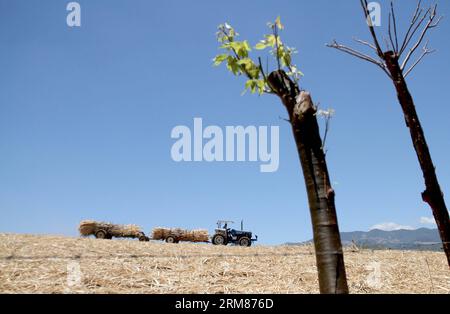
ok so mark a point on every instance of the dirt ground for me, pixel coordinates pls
(56, 264)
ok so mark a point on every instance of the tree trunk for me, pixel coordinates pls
(432, 194)
(327, 241)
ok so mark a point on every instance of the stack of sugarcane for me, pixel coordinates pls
(180, 234)
(90, 227)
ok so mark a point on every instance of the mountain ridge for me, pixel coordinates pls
(418, 239)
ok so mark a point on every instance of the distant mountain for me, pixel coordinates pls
(419, 239)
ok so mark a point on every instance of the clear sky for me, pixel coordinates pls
(86, 116)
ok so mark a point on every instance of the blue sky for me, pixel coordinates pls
(86, 115)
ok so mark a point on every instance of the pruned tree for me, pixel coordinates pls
(394, 61)
(284, 83)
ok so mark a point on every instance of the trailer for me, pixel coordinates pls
(104, 230)
(175, 235)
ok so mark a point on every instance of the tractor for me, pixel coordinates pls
(224, 235)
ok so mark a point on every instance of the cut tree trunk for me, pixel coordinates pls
(432, 194)
(327, 241)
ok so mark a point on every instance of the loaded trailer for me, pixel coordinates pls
(105, 230)
(175, 235)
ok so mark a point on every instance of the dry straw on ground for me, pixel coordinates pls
(52, 264)
(89, 227)
(180, 234)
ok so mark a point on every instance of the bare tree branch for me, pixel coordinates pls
(358, 54)
(425, 51)
(390, 34)
(275, 33)
(429, 25)
(327, 129)
(394, 21)
(386, 42)
(365, 5)
(270, 91)
(365, 43)
(415, 28)
(418, 19)
(284, 119)
(414, 19)
(354, 52)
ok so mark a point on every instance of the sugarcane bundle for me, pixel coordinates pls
(90, 227)
(159, 233)
(198, 235)
(125, 230)
(180, 234)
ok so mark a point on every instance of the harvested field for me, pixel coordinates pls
(52, 264)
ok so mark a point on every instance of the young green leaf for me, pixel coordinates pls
(271, 40)
(247, 46)
(238, 61)
(261, 45)
(286, 59)
(219, 59)
(261, 86)
(232, 65)
(278, 23)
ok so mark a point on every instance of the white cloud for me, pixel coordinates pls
(427, 221)
(390, 226)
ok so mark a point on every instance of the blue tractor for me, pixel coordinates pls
(224, 235)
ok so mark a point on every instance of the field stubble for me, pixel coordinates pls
(56, 264)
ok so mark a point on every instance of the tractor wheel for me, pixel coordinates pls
(244, 241)
(171, 239)
(219, 239)
(143, 238)
(109, 237)
(101, 234)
